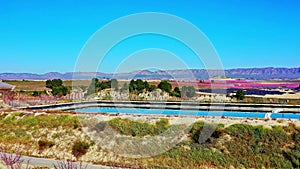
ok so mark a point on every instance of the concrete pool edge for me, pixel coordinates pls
(171, 105)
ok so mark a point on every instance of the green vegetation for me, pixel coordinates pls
(57, 87)
(188, 91)
(164, 85)
(100, 126)
(92, 88)
(213, 130)
(152, 88)
(176, 92)
(239, 145)
(54, 83)
(138, 86)
(33, 93)
(96, 85)
(80, 148)
(38, 93)
(60, 90)
(208, 145)
(240, 94)
(125, 87)
(137, 129)
(249, 146)
(114, 84)
(44, 144)
(14, 127)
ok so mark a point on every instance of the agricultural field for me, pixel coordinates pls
(255, 91)
(241, 84)
(40, 85)
(27, 85)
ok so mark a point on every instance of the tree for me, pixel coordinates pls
(92, 87)
(115, 84)
(188, 91)
(60, 90)
(138, 86)
(176, 92)
(96, 86)
(104, 85)
(240, 94)
(125, 87)
(54, 83)
(95, 81)
(35, 93)
(164, 85)
(57, 87)
(146, 85)
(152, 88)
(132, 86)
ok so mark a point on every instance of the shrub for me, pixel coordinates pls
(164, 85)
(80, 148)
(53, 83)
(68, 164)
(293, 156)
(139, 86)
(201, 131)
(240, 94)
(60, 90)
(162, 125)
(100, 126)
(188, 91)
(138, 129)
(280, 120)
(240, 130)
(44, 144)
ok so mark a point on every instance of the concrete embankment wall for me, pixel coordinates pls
(172, 105)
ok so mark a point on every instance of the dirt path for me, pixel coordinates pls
(46, 162)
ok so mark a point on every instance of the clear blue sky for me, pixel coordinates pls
(41, 36)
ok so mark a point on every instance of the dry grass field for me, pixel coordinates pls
(28, 85)
(40, 85)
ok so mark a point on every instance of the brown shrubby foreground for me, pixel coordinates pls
(235, 145)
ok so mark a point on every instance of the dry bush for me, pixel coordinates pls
(13, 161)
(68, 164)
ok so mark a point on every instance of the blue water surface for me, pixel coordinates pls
(186, 112)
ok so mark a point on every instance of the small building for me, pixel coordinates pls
(6, 91)
(6, 86)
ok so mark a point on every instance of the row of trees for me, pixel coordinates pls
(139, 86)
(186, 91)
(135, 86)
(97, 85)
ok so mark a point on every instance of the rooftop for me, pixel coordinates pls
(6, 86)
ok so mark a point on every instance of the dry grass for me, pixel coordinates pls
(76, 82)
(40, 85)
(28, 85)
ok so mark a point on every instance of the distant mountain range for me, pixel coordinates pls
(245, 73)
